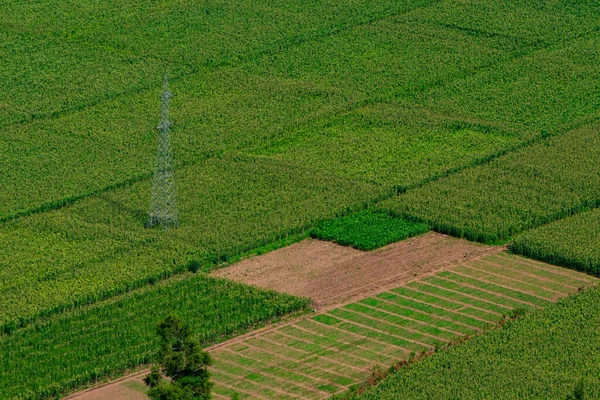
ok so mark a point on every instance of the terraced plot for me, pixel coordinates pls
(317, 356)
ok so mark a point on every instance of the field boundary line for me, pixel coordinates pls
(463, 304)
(386, 333)
(260, 331)
(377, 353)
(414, 330)
(242, 59)
(313, 378)
(308, 354)
(333, 347)
(357, 104)
(403, 349)
(533, 275)
(568, 272)
(286, 358)
(236, 378)
(310, 370)
(448, 330)
(325, 349)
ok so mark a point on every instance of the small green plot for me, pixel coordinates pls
(329, 388)
(430, 319)
(225, 391)
(238, 347)
(321, 374)
(481, 314)
(520, 276)
(400, 319)
(425, 298)
(510, 283)
(325, 341)
(383, 326)
(518, 263)
(229, 368)
(326, 319)
(359, 340)
(368, 230)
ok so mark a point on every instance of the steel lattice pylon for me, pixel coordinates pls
(163, 203)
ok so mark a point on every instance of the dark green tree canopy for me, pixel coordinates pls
(181, 359)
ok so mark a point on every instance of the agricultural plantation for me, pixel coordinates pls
(400, 194)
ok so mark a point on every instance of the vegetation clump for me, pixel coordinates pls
(181, 359)
(368, 229)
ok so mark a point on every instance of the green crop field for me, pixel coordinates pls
(367, 230)
(64, 352)
(289, 118)
(526, 188)
(571, 242)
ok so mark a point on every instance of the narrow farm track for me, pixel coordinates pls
(315, 356)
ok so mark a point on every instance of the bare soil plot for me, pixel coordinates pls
(332, 275)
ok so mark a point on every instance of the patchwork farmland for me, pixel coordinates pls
(317, 145)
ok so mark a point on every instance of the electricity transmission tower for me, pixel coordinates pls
(163, 204)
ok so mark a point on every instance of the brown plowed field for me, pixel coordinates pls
(332, 275)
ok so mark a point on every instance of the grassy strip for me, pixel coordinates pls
(80, 347)
(572, 242)
(367, 230)
(540, 355)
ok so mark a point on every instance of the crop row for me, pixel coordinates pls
(99, 246)
(541, 355)
(570, 242)
(535, 185)
(85, 345)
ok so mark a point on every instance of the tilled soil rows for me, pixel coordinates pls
(332, 275)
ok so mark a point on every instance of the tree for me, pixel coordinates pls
(182, 359)
(578, 392)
